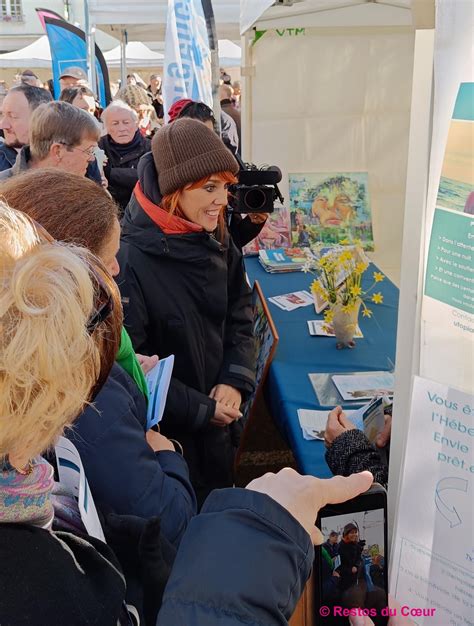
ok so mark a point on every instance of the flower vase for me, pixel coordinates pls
(344, 323)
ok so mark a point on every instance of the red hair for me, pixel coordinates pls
(170, 202)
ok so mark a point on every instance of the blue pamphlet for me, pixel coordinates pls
(158, 381)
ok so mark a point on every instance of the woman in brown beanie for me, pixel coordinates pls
(184, 293)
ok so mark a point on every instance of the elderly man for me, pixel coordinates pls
(61, 136)
(225, 96)
(17, 108)
(123, 145)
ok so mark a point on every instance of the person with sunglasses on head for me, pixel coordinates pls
(243, 230)
(184, 292)
(61, 136)
(131, 470)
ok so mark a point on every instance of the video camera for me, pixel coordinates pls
(256, 190)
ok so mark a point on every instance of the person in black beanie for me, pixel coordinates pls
(184, 293)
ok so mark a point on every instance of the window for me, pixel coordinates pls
(11, 11)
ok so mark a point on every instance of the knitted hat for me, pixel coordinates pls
(348, 528)
(186, 151)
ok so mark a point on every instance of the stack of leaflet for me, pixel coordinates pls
(282, 260)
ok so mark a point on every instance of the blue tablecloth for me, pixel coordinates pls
(288, 387)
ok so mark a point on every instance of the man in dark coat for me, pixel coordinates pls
(18, 105)
(123, 145)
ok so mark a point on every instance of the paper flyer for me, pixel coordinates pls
(73, 477)
(158, 381)
(364, 386)
(433, 559)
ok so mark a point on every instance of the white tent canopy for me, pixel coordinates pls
(145, 20)
(138, 55)
(337, 13)
(37, 55)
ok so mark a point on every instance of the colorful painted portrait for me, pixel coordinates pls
(275, 233)
(329, 207)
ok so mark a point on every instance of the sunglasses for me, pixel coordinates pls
(103, 301)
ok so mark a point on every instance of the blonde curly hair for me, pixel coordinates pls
(49, 362)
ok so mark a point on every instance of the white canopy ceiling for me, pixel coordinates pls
(145, 20)
(308, 13)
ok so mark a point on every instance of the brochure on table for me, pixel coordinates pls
(432, 562)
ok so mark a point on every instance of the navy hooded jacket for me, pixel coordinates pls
(123, 471)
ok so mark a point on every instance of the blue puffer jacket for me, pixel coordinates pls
(243, 560)
(124, 473)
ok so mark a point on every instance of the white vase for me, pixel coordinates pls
(345, 324)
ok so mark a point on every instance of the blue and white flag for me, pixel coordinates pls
(187, 66)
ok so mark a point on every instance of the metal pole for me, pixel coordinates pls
(214, 48)
(123, 58)
(90, 48)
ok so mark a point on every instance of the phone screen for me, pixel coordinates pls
(353, 566)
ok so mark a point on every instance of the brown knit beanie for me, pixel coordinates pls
(186, 151)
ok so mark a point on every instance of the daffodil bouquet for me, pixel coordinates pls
(339, 281)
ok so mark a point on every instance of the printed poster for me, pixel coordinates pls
(433, 559)
(330, 207)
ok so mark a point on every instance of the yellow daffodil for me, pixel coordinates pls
(344, 242)
(328, 316)
(378, 276)
(345, 257)
(355, 291)
(360, 267)
(366, 312)
(377, 298)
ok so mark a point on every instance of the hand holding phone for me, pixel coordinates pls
(352, 562)
(303, 496)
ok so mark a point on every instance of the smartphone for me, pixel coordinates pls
(351, 566)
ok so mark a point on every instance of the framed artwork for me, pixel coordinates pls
(275, 233)
(330, 207)
(266, 341)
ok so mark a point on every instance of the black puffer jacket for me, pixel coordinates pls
(121, 167)
(187, 295)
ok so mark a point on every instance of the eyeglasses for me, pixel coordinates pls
(89, 151)
(103, 301)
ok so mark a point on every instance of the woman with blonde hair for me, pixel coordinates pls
(58, 336)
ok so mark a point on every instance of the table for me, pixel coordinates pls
(288, 387)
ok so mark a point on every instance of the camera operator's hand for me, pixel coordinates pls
(303, 496)
(258, 218)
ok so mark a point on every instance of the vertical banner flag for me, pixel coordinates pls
(69, 49)
(187, 64)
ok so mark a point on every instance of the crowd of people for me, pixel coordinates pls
(117, 249)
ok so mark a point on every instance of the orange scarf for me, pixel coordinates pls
(169, 224)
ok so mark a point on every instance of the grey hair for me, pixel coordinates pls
(118, 105)
(59, 122)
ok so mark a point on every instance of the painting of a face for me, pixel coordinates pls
(332, 207)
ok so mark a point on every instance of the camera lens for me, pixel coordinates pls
(255, 199)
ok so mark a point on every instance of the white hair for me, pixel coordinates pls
(118, 105)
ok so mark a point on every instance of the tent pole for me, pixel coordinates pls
(247, 72)
(90, 47)
(123, 58)
(214, 49)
